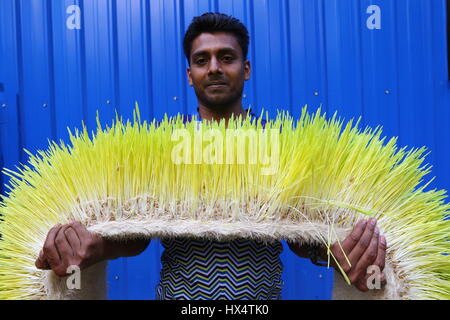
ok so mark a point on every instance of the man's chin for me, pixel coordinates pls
(218, 107)
(218, 103)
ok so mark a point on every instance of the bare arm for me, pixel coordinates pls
(72, 244)
(299, 250)
(302, 252)
(363, 247)
(114, 249)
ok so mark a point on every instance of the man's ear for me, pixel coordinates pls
(247, 70)
(188, 71)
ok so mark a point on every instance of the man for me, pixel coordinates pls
(216, 47)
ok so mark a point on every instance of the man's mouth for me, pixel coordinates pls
(216, 85)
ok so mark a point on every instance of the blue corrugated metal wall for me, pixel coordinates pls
(62, 60)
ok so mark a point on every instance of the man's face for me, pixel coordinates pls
(217, 71)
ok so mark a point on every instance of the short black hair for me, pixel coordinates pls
(216, 22)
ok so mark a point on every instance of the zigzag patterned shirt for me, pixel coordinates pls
(221, 270)
(205, 269)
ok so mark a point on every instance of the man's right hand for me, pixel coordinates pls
(68, 245)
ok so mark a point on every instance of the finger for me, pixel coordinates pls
(381, 259)
(73, 239)
(362, 284)
(366, 260)
(341, 251)
(41, 262)
(82, 233)
(383, 279)
(381, 256)
(49, 249)
(62, 245)
(377, 282)
(363, 242)
(41, 256)
(351, 240)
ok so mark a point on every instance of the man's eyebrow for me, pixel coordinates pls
(221, 51)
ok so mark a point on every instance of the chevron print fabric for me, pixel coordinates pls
(197, 269)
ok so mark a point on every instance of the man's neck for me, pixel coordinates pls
(211, 114)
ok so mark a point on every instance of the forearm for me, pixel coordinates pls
(302, 251)
(114, 249)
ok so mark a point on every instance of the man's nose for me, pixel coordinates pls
(214, 66)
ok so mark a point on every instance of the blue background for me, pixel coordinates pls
(315, 52)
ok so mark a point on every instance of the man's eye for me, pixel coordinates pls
(228, 59)
(200, 61)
